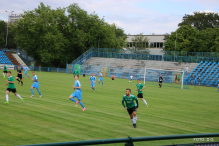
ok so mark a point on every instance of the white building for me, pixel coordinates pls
(155, 43)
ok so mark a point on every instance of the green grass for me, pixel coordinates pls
(54, 118)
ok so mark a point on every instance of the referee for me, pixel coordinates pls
(160, 80)
(19, 75)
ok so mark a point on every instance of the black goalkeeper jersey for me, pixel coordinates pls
(19, 71)
(160, 79)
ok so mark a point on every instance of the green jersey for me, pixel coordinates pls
(76, 72)
(129, 101)
(5, 68)
(140, 87)
(11, 85)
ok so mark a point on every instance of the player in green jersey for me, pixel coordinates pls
(76, 72)
(11, 88)
(5, 70)
(141, 87)
(129, 105)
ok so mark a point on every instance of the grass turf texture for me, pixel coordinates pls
(54, 118)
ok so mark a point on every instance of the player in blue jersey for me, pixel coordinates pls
(100, 78)
(92, 81)
(25, 73)
(77, 93)
(218, 88)
(35, 84)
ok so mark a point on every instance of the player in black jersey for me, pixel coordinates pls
(19, 76)
(160, 80)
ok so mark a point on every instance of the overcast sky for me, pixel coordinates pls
(134, 16)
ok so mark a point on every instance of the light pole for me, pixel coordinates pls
(7, 28)
(175, 46)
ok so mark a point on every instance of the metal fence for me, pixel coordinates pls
(174, 56)
(130, 140)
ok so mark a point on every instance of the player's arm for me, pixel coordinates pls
(142, 88)
(123, 103)
(9, 81)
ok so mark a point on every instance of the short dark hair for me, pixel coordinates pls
(9, 72)
(33, 72)
(129, 89)
(138, 79)
(77, 76)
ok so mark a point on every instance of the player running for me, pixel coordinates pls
(160, 80)
(11, 88)
(25, 73)
(19, 75)
(92, 81)
(5, 71)
(35, 85)
(100, 78)
(141, 87)
(77, 93)
(131, 77)
(129, 105)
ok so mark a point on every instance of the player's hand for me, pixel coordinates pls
(32, 79)
(6, 81)
(125, 108)
(137, 90)
(6, 84)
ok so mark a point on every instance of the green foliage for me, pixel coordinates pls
(53, 38)
(201, 20)
(191, 40)
(3, 27)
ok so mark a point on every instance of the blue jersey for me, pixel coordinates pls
(35, 78)
(92, 79)
(78, 84)
(25, 68)
(100, 76)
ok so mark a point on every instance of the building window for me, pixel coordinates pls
(161, 45)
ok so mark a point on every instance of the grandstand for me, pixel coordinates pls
(4, 59)
(207, 73)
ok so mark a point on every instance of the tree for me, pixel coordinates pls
(201, 20)
(53, 38)
(3, 27)
(140, 44)
(185, 38)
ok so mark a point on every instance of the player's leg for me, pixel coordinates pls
(15, 93)
(6, 96)
(140, 95)
(99, 81)
(3, 74)
(21, 80)
(33, 86)
(144, 101)
(79, 97)
(37, 87)
(17, 78)
(24, 75)
(71, 97)
(160, 84)
(93, 86)
(134, 118)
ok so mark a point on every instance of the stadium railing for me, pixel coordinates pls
(130, 140)
(174, 56)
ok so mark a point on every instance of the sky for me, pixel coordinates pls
(134, 16)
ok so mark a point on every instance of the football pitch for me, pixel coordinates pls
(54, 118)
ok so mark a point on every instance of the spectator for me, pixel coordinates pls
(187, 69)
(113, 77)
(191, 79)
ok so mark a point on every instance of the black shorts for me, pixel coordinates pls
(131, 110)
(140, 95)
(19, 76)
(160, 82)
(5, 71)
(11, 90)
(112, 78)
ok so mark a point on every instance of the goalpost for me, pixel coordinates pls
(170, 77)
